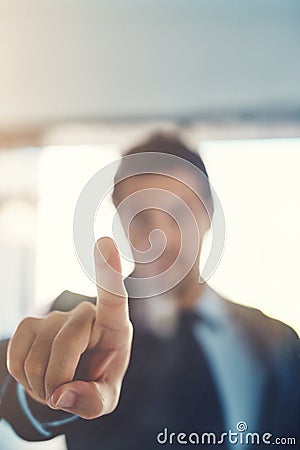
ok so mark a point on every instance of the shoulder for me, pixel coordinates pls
(262, 329)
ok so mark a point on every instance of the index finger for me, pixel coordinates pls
(112, 304)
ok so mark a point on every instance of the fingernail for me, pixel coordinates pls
(66, 400)
(104, 248)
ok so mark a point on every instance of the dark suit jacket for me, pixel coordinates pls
(140, 414)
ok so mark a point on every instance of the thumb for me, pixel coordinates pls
(87, 399)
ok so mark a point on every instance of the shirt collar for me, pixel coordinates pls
(210, 306)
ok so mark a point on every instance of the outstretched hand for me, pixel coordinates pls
(76, 361)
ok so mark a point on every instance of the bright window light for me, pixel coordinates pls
(63, 172)
(258, 184)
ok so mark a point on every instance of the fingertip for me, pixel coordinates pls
(106, 252)
(103, 249)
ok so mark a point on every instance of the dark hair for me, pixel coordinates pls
(169, 144)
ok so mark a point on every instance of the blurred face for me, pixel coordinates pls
(164, 221)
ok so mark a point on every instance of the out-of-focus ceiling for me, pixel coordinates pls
(93, 59)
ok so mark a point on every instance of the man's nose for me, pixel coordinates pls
(168, 226)
(162, 221)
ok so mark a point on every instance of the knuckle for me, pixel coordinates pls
(65, 339)
(56, 315)
(75, 331)
(27, 323)
(85, 307)
(34, 366)
(111, 300)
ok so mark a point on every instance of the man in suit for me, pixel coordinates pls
(203, 370)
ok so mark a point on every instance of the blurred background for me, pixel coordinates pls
(82, 80)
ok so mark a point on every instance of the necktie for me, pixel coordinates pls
(204, 408)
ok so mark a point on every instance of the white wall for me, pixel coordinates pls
(87, 58)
